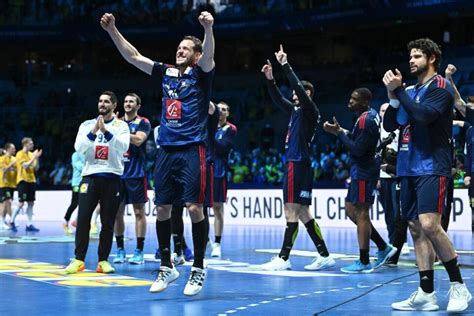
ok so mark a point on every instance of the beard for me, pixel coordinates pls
(419, 70)
(104, 111)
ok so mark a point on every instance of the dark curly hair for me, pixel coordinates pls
(428, 47)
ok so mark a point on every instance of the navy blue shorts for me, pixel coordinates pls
(424, 194)
(209, 199)
(298, 182)
(26, 191)
(361, 192)
(220, 190)
(134, 191)
(180, 173)
(6, 194)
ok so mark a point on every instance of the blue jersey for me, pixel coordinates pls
(304, 117)
(186, 100)
(135, 158)
(224, 142)
(362, 144)
(77, 161)
(468, 161)
(425, 117)
(213, 121)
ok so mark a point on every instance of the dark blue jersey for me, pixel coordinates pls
(303, 120)
(468, 161)
(186, 100)
(362, 144)
(224, 142)
(212, 122)
(135, 158)
(425, 118)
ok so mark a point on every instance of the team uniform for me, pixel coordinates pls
(181, 158)
(7, 178)
(223, 142)
(134, 181)
(365, 168)
(25, 177)
(181, 169)
(469, 163)
(100, 184)
(301, 130)
(425, 149)
(212, 146)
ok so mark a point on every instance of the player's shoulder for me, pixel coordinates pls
(439, 82)
(89, 122)
(231, 127)
(142, 119)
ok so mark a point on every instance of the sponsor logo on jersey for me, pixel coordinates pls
(102, 152)
(173, 109)
(172, 72)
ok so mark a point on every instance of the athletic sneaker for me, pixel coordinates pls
(321, 263)
(31, 228)
(6, 226)
(67, 230)
(216, 250)
(105, 267)
(196, 279)
(165, 276)
(418, 301)
(188, 254)
(137, 257)
(358, 267)
(276, 264)
(177, 260)
(459, 297)
(13, 227)
(405, 250)
(75, 266)
(157, 254)
(93, 230)
(121, 257)
(384, 255)
(392, 263)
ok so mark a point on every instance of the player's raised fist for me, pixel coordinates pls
(206, 19)
(107, 21)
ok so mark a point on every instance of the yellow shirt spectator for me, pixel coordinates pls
(7, 177)
(25, 174)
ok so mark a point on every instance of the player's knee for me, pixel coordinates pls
(430, 228)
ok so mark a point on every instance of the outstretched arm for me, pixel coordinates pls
(127, 50)
(275, 93)
(458, 101)
(295, 83)
(206, 62)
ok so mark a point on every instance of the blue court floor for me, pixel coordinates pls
(31, 282)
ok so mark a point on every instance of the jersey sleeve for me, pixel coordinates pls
(437, 101)
(144, 126)
(205, 79)
(366, 137)
(158, 69)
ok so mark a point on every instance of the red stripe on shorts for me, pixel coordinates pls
(361, 191)
(202, 168)
(442, 192)
(291, 185)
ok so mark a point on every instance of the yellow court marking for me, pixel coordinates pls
(60, 274)
(31, 266)
(12, 261)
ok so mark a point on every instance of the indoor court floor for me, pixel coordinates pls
(32, 283)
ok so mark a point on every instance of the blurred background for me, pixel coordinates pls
(56, 60)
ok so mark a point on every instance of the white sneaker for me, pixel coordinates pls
(405, 250)
(276, 264)
(196, 279)
(177, 260)
(216, 250)
(321, 263)
(418, 301)
(459, 297)
(165, 276)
